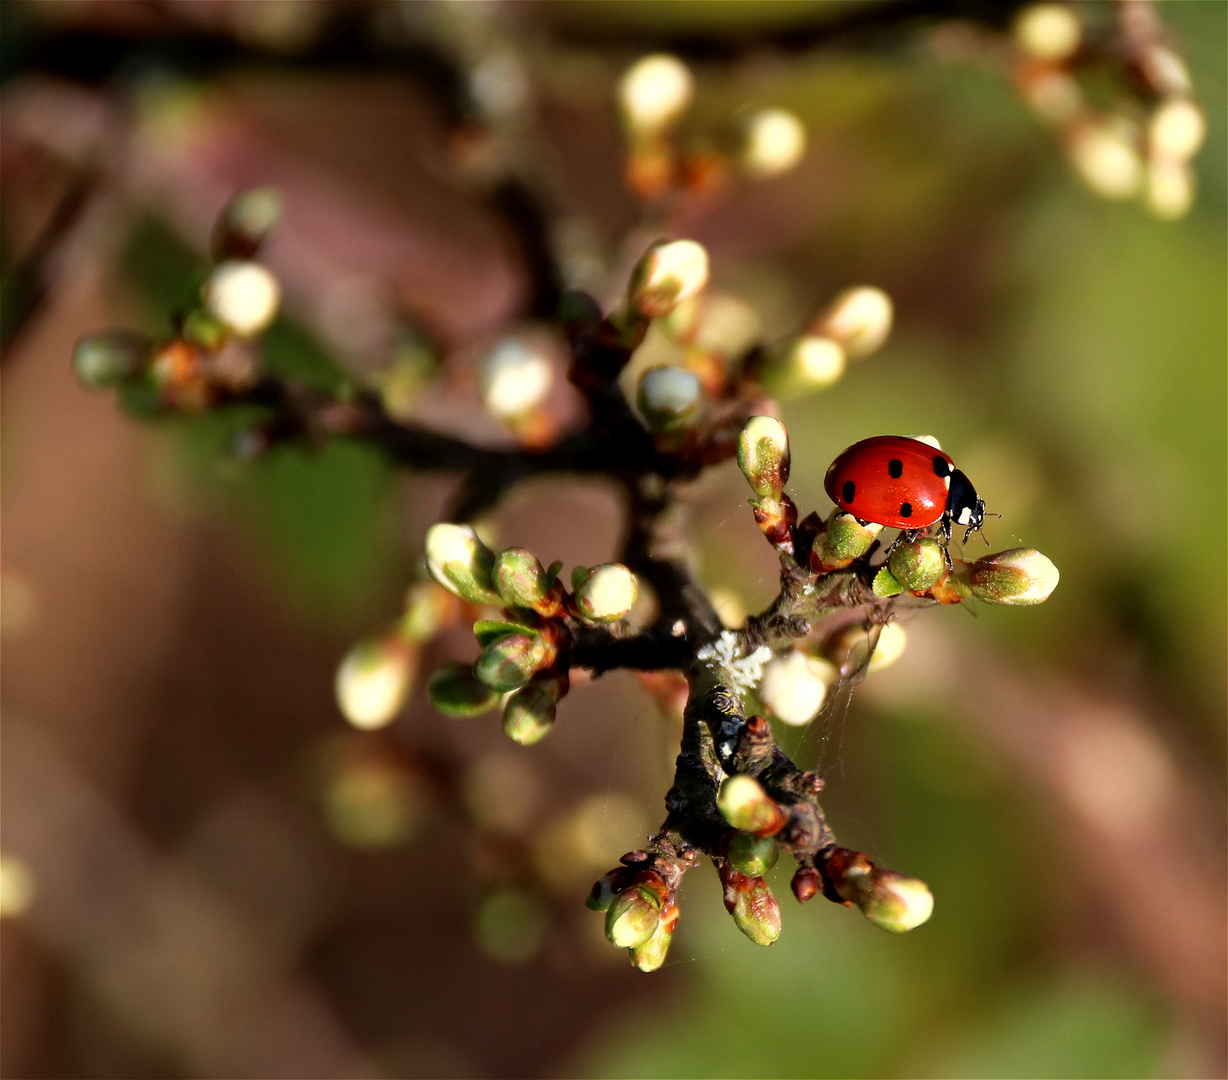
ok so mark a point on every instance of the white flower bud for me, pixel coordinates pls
(668, 397)
(794, 686)
(1020, 576)
(776, 141)
(1170, 189)
(655, 91)
(1106, 160)
(813, 362)
(669, 272)
(607, 594)
(1176, 130)
(374, 680)
(859, 320)
(461, 563)
(242, 295)
(1048, 31)
(897, 903)
(763, 456)
(516, 379)
(891, 643)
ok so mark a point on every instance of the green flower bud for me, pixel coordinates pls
(245, 222)
(461, 563)
(1020, 576)
(102, 360)
(668, 398)
(607, 887)
(794, 686)
(752, 905)
(885, 584)
(847, 538)
(918, 565)
(858, 320)
(763, 456)
(519, 578)
(455, 691)
(651, 954)
(669, 272)
(746, 806)
(632, 917)
(374, 680)
(893, 901)
(751, 855)
(529, 714)
(243, 295)
(607, 593)
(510, 661)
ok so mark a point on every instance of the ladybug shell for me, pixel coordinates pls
(891, 480)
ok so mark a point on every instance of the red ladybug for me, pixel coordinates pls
(904, 484)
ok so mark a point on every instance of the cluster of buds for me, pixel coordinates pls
(210, 358)
(1018, 577)
(1140, 148)
(524, 659)
(639, 899)
(654, 95)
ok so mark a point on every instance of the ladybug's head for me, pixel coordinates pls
(964, 505)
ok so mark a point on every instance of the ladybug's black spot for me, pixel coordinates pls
(905, 509)
(896, 468)
(941, 466)
(848, 491)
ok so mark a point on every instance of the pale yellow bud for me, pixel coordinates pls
(654, 92)
(891, 643)
(896, 903)
(859, 320)
(1048, 31)
(669, 272)
(461, 563)
(775, 142)
(1170, 189)
(242, 295)
(1107, 161)
(516, 379)
(607, 594)
(1018, 577)
(1177, 130)
(795, 685)
(374, 680)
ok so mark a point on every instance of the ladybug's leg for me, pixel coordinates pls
(946, 542)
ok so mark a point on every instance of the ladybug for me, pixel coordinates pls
(904, 483)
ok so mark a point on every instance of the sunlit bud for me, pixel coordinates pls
(1170, 189)
(1107, 161)
(847, 538)
(632, 917)
(1177, 130)
(746, 806)
(795, 685)
(809, 362)
(516, 379)
(1021, 576)
(805, 883)
(1048, 31)
(17, 886)
(918, 565)
(859, 320)
(891, 643)
(102, 360)
(608, 886)
(519, 578)
(428, 606)
(461, 563)
(775, 142)
(668, 397)
(529, 714)
(651, 954)
(374, 680)
(763, 456)
(242, 295)
(510, 661)
(893, 901)
(752, 905)
(885, 584)
(454, 690)
(670, 272)
(654, 91)
(245, 223)
(751, 855)
(1166, 71)
(607, 593)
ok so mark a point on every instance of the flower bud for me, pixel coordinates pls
(242, 295)
(794, 686)
(607, 887)
(520, 579)
(805, 883)
(763, 456)
(245, 223)
(746, 806)
(455, 691)
(428, 607)
(751, 855)
(1020, 576)
(1170, 189)
(607, 593)
(632, 917)
(670, 272)
(858, 320)
(918, 565)
(847, 538)
(510, 661)
(891, 642)
(752, 905)
(893, 901)
(374, 680)
(654, 91)
(461, 563)
(529, 714)
(1106, 160)
(1176, 130)
(516, 379)
(809, 362)
(668, 397)
(1048, 31)
(885, 584)
(102, 360)
(651, 954)
(775, 142)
